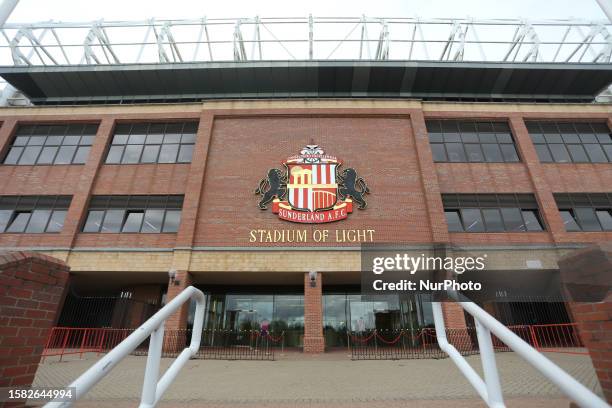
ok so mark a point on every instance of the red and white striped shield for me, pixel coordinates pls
(312, 186)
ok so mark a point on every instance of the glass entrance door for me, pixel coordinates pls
(349, 312)
(281, 316)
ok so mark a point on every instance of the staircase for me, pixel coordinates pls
(489, 388)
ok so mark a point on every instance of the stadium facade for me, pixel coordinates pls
(143, 178)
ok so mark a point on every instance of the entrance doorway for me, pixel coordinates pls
(345, 313)
(279, 317)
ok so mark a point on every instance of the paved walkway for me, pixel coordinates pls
(328, 380)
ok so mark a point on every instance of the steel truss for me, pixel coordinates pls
(310, 38)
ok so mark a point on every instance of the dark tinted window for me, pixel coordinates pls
(493, 220)
(134, 214)
(585, 211)
(472, 220)
(94, 221)
(38, 221)
(578, 142)
(532, 221)
(33, 214)
(569, 220)
(153, 221)
(19, 221)
(51, 144)
(605, 219)
(491, 212)
(112, 221)
(172, 221)
(133, 221)
(152, 143)
(453, 221)
(471, 141)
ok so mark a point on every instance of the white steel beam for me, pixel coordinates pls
(6, 8)
(310, 37)
(98, 33)
(382, 47)
(606, 7)
(165, 38)
(405, 38)
(239, 52)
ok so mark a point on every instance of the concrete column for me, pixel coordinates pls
(313, 315)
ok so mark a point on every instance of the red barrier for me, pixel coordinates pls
(78, 340)
(381, 338)
(558, 338)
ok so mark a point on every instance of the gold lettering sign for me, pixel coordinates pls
(301, 236)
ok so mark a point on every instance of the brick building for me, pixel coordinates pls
(143, 199)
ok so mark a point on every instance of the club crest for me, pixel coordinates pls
(312, 188)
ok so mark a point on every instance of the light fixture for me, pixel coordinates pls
(172, 276)
(313, 278)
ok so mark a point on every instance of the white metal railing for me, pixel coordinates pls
(489, 389)
(152, 389)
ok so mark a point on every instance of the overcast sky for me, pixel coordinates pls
(85, 10)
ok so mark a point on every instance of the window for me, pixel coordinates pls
(33, 214)
(491, 213)
(152, 143)
(134, 214)
(471, 141)
(571, 142)
(51, 144)
(585, 212)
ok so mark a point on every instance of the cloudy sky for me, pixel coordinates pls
(85, 10)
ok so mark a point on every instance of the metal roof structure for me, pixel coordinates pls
(168, 60)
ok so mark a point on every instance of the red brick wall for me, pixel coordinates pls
(235, 148)
(593, 265)
(243, 149)
(179, 319)
(313, 315)
(32, 289)
(595, 325)
(454, 317)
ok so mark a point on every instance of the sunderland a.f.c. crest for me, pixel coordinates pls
(312, 188)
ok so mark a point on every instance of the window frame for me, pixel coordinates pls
(452, 202)
(596, 202)
(132, 204)
(29, 205)
(540, 131)
(87, 132)
(482, 134)
(148, 130)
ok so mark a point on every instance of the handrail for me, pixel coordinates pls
(489, 389)
(152, 389)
